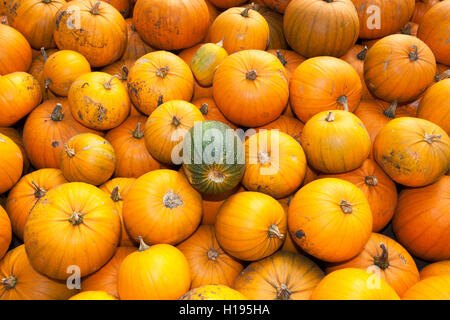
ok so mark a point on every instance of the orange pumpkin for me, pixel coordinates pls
(213, 13)
(15, 136)
(212, 203)
(123, 6)
(16, 51)
(225, 4)
(421, 7)
(324, 83)
(213, 292)
(12, 163)
(210, 111)
(289, 59)
(330, 219)
(288, 125)
(37, 71)
(92, 295)
(136, 47)
(435, 269)
(120, 69)
(209, 264)
(432, 288)
(205, 62)
(277, 5)
(89, 158)
(275, 22)
(73, 224)
(355, 57)
(6, 235)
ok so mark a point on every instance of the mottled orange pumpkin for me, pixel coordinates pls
(439, 268)
(136, 47)
(12, 163)
(432, 288)
(213, 292)
(16, 51)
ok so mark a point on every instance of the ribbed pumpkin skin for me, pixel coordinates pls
(16, 54)
(240, 29)
(105, 279)
(250, 225)
(352, 284)
(162, 207)
(251, 88)
(393, 15)
(421, 221)
(435, 105)
(288, 125)
(421, 7)
(158, 273)
(275, 22)
(321, 28)
(88, 158)
(435, 269)
(171, 25)
(289, 59)
(12, 163)
(136, 47)
(397, 268)
(282, 276)
(5, 228)
(53, 242)
(24, 196)
(413, 152)
(379, 189)
(432, 288)
(335, 141)
(323, 83)
(208, 262)
(35, 19)
(93, 295)
(210, 111)
(19, 94)
(30, 285)
(101, 35)
(213, 292)
(205, 62)
(321, 223)
(158, 77)
(433, 30)
(277, 5)
(391, 72)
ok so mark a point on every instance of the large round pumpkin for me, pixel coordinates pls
(12, 163)
(282, 276)
(321, 27)
(136, 47)
(439, 268)
(213, 292)
(74, 224)
(330, 219)
(6, 235)
(251, 88)
(212, 203)
(16, 51)
(432, 288)
(250, 225)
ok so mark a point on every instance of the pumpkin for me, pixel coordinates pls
(166, 127)
(21, 282)
(379, 189)
(275, 22)
(62, 68)
(123, 6)
(16, 51)
(250, 225)
(277, 5)
(282, 276)
(435, 269)
(89, 158)
(225, 4)
(161, 207)
(399, 67)
(288, 125)
(136, 47)
(321, 28)
(330, 219)
(433, 30)
(213, 157)
(35, 19)
(117, 189)
(240, 29)
(99, 101)
(205, 62)
(73, 224)
(289, 59)
(213, 13)
(379, 18)
(212, 203)
(12, 163)
(46, 130)
(19, 94)
(421, 7)
(324, 83)
(251, 88)
(335, 142)
(413, 152)
(209, 264)
(158, 272)
(421, 222)
(37, 71)
(171, 25)
(213, 292)
(275, 164)
(92, 295)
(5, 227)
(132, 157)
(353, 284)
(16, 137)
(432, 288)
(435, 105)
(355, 57)
(105, 279)
(158, 77)
(210, 111)
(24, 196)
(100, 33)
(386, 258)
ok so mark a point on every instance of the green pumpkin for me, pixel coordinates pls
(213, 157)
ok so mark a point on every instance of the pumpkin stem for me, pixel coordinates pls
(274, 232)
(382, 260)
(44, 54)
(108, 84)
(246, 10)
(138, 133)
(162, 72)
(133, 28)
(46, 1)
(263, 157)
(330, 117)
(124, 73)
(95, 8)
(362, 55)
(175, 121)
(57, 114)
(430, 138)
(346, 207)
(160, 100)
(216, 176)
(204, 109)
(47, 82)
(212, 254)
(76, 218)
(9, 282)
(251, 75)
(390, 112)
(171, 200)
(413, 54)
(442, 76)
(371, 180)
(220, 43)
(115, 195)
(38, 191)
(329, 1)
(70, 152)
(343, 101)
(406, 29)
(142, 245)
(283, 292)
(281, 58)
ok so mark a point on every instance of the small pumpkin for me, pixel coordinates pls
(12, 163)
(16, 51)
(289, 59)
(205, 62)
(213, 292)
(136, 47)
(210, 111)
(92, 295)
(435, 269)
(6, 235)
(432, 288)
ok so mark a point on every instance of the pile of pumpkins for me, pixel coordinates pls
(345, 110)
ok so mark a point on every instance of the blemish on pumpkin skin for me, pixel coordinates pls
(55, 144)
(299, 234)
